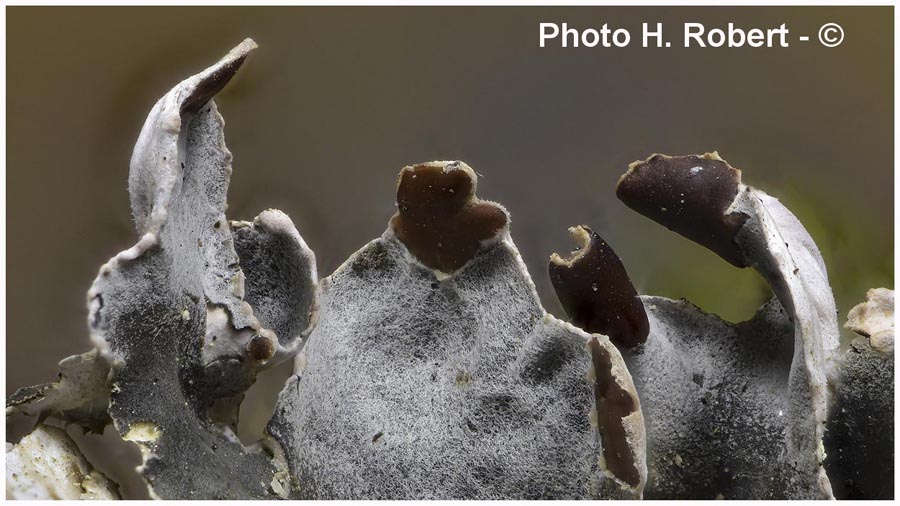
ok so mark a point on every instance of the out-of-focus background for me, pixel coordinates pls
(336, 100)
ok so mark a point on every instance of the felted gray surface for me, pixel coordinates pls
(860, 436)
(716, 403)
(280, 271)
(414, 387)
(170, 313)
(760, 435)
(420, 384)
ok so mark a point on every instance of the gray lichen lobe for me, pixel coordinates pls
(173, 316)
(716, 402)
(280, 270)
(80, 395)
(418, 385)
(689, 354)
(860, 435)
(430, 369)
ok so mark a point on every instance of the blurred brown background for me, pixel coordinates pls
(337, 100)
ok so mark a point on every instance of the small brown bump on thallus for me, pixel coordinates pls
(689, 195)
(596, 292)
(439, 218)
(260, 348)
(613, 404)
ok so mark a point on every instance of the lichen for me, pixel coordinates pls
(746, 404)
(449, 380)
(187, 322)
(425, 366)
(859, 439)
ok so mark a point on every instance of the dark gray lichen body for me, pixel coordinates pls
(152, 315)
(431, 371)
(269, 259)
(416, 387)
(155, 307)
(762, 386)
(717, 404)
(860, 436)
(423, 384)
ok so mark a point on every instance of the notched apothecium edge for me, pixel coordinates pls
(596, 292)
(689, 195)
(439, 218)
(612, 406)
